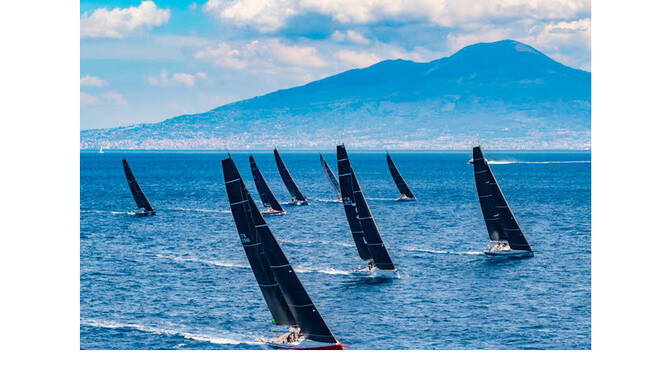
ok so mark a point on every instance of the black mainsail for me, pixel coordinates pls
(398, 180)
(266, 195)
(287, 299)
(296, 195)
(138, 194)
(500, 222)
(363, 227)
(331, 177)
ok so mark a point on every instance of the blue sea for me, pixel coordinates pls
(180, 279)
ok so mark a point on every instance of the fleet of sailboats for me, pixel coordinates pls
(285, 296)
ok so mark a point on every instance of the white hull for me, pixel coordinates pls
(306, 345)
(509, 253)
(378, 273)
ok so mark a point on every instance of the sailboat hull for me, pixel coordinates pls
(273, 212)
(405, 199)
(297, 203)
(306, 345)
(144, 214)
(509, 253)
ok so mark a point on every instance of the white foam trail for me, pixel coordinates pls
(327, 271)
(199, 210)
(205, 261)
(494, 162)
(110, 212)
(327, 200)
(441, 251)
(164, 331)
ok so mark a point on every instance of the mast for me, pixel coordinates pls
(398, 179)
(291, 186)
(356, 205)
(254, 233)
(138, 194)
(500, 221)
(267, 197)
(331, 177)
(243, 218)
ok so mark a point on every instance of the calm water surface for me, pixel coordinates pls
(180, 279)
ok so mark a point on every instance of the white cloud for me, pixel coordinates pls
(350, 35)
(270, 15)
(86, 99)
(164, 80)
(120, 23)
(114, 98)
(92, 81)
(261, 55)
(265, 15)
(107, 98)
(357, 59)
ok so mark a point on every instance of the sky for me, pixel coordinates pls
(146, 61)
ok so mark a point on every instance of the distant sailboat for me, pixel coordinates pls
(138, 194)
(297, 198)
(506, 238)
(406, 193)
(363, 228)
(331, 177)
(267, 198)
(101, 150)
(286, 298)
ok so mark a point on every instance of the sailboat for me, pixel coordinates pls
(101, 150)
(297, 198)
(267, 198)
(331, 177)
(140, 199)
(406, 193)
(506, 238)
(363, 227)
(285, 296)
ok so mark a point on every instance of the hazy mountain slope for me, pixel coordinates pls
(505, 93)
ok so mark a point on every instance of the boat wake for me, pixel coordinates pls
(220, 340)
(442, 251)
(205, 261)
(198, 210)
(327, 200)
(110, 212)
(327, 271)
(493, 162)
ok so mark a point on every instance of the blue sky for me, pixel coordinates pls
(145, 61)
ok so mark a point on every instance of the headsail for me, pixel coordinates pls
(280, 278)
(331, 177)
(291, 186)
(398, 179)
(243, 217)
(138, 194)
(500, 222)
(266, 195)
(365, 232)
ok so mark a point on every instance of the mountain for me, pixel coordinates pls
(505, 94)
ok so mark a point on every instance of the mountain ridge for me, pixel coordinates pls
(504, 91)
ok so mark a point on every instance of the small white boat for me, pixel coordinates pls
(101, 150)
